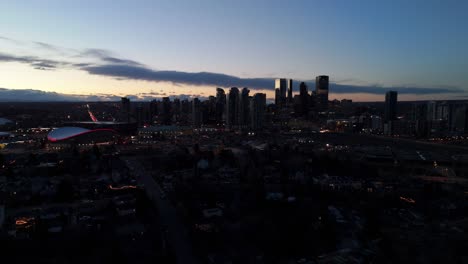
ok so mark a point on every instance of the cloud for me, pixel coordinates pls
(107, 57)
(8, 58)
(123, 69)
(104, 63)
(10, 40)
(94, 53)
(43, 66)
(128, 72)
(80, 65)
(4, 38)
(47, 46)
(343, 88)
(31, 95)
(35, 62)
(120, 61)
(152, 93)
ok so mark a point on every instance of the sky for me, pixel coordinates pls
(105, 49)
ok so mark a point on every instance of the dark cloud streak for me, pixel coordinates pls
(31, 95)
(47, 46)
(128, 72)
(343, 88)
(103, 63)
(106, 56)
(35, 62)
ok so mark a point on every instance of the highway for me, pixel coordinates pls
(177, 232)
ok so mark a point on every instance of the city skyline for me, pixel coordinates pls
(148, 50)
(215, 131)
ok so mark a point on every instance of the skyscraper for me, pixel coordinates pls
(281, 85)
(277, 97)
(220, 105)
(321, 90)
(210, 110)
(257, 111)
(140, 115)
(196, 112)
(125, 108)
(290, 91)
(184, 116)
(232, 108)
(166, 115)
(431, 111)
(390, 113)
(176, 109)
(303, 98)
(303, 89)
(153, 110)
(244, 106)
(458, 117)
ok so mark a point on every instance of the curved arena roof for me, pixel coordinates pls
(4, 134)
(4, 121)
(64, 133)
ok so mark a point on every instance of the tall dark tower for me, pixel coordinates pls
(290, 91)
(257, 111)
(303, 98)
(244, 105)
(220, 105)
(153, 110)
(282, 86)
(140, 114)
(232, 108)
(196, 112)
(166, 113)
(303, 89)
(390, 106)
(277, 97)
(321, 90)
(125, 108)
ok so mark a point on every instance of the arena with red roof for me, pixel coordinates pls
(81, 136)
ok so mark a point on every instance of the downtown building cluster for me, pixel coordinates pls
(239, 109)
(422, 119)
(234, 108)
(303, 103)
(439, 118)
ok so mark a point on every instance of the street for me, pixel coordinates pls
(177, 232)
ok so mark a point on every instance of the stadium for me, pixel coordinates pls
(122, 128)
(6, 124)
(64, 137)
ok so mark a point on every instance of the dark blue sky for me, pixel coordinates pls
(364, 43)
